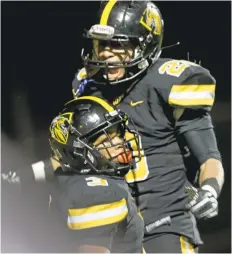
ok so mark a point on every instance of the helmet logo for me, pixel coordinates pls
(58, 128)
(151, 19)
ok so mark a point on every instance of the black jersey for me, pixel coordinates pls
(99, 210)
(155, 103)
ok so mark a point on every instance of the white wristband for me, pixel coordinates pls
(38, 169)
(209, 188)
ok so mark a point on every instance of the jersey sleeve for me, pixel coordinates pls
(196, 92)
(97, 215)
(93, 213)
(189, 91)
(97, 225)
(183, 84)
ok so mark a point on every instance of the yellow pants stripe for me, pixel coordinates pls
(186, 246)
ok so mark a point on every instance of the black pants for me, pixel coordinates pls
(169, 243)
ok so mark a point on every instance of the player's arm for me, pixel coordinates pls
(197, 129)
(212, 172)
(40, 171)
(94, 220)
(92, 231)
(203, 145)
(195, 125)
(188, 91)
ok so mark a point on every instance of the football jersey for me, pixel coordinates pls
(155, 103)
(99, 210)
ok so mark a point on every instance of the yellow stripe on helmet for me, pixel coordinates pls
(106, 12)
(100, 101)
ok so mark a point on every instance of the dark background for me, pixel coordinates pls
(41, 44)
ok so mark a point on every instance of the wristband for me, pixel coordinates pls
(211, 185)
(42, 170)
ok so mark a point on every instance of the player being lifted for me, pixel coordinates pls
(88, 138)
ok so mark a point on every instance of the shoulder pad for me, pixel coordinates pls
(96, 202)
(184, 84)
(81, 74)
(79, 77)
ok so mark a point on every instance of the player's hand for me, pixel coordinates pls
(202, 203)
(10, 177)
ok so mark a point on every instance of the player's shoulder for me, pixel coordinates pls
(98, 189)
(182, 83)
(79, 76)
(80, 82)
(173, 71)
(92, 198)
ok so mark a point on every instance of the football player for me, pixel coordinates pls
(88, 139)
(169, 101)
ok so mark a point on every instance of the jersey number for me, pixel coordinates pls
(175, 67)
(96, 181)
(141, 171)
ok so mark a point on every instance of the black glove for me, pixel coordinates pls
(202, 202)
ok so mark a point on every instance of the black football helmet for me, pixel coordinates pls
(138, 24)
(74, 130)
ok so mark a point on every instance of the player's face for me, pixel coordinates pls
(115, 53)
(113, 148)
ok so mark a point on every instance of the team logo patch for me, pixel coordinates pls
(58, 128)
(151, 18)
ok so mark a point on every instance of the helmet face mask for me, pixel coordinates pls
(130, 24)
(102, 149)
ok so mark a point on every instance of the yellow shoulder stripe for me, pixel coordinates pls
(193, 88)
(98, 215)
(192, 95)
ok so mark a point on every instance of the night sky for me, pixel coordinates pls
(41, 44)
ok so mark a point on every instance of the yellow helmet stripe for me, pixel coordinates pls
(100, 101)
(106, 12)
